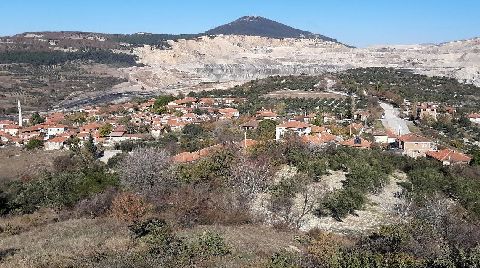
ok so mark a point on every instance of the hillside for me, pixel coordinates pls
(260, 26)
(161, 63)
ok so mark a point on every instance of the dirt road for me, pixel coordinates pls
(392, 121)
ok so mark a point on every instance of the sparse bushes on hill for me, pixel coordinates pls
(57, 190)
(175, 251)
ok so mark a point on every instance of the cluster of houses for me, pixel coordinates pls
(432, 110)
(56, 130)
(412, 145)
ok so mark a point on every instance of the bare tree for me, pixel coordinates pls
(146, 169)
(250, 177)
(307, 201)
(297, 198)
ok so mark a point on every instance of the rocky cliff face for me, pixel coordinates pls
(234, 59)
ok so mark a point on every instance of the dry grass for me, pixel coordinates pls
(251, 245)
(80, 242)
(64, 244)
(13, 225)
(16, 163)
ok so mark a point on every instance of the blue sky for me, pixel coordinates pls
(356, 22)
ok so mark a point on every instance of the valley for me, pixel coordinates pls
(251, 144)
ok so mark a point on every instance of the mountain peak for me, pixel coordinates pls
(251, 18)
(260, 26)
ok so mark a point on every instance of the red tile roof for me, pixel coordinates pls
(250, 124)
(186, 157)
(58, 139)
(91, 126)
(57, 126)
(185, 100)
(209, 101)
(352, 143)
(319, 139)
(449, 155)
(6, 122)
(266, 113)
(294, 124)
(11, 127)
(412, 137)
(227, 110)
(247, 143)
(317, 129)
(474, 116)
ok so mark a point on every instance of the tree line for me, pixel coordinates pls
(60, 57)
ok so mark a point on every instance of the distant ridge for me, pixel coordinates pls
(247, 25)
(260, 26)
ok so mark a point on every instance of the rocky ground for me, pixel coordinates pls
(227, 59)
(381, 208)
(220, 62)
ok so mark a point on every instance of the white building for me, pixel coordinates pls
(296, 127)
(474, 118)
(55, 130)
(56, 143)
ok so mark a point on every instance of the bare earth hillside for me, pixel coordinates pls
(229, 59)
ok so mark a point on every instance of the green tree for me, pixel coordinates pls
(74, 144)
(192, 131)
(89, 151)
(318, 120)
(475, 153)
(36, 119)
(105, 130)
(266, 129)
(34, 144)
(160, 103)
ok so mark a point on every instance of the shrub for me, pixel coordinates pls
(129, 207)
(146, 169)
(105, 130)
(325, 249)
(211, 244)
(4, 206)
(34, 144)
(162, 241)
(214, 168)
(284, 259)
(426, 182)
(57, 190)
(97, 205)
(344, 202)
(266, 130)
(64, 163)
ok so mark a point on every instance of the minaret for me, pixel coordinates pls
(20, 119)
(245, 139)
(352, 111)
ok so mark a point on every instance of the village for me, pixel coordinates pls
(110, 125)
